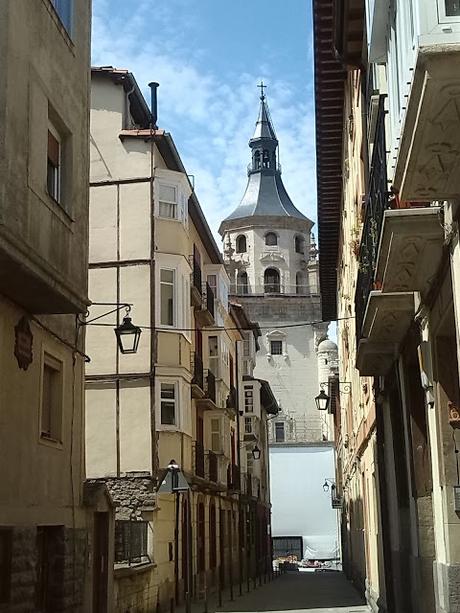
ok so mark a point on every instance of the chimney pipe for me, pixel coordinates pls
(154, 103)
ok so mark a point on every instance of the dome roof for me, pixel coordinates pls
(327, 345)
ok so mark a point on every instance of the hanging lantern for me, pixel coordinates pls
(322, 401)
(128, 336)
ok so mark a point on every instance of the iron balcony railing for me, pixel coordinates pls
(199, 459)
(377, 201)
(197, 369)
(196, 274)
(210, 300)
(242, 289)
(231, 398)
(211, 385)
(233, 477)
(213, 467)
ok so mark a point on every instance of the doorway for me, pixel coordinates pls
(100, 562)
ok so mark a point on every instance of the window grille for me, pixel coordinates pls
(131, 542)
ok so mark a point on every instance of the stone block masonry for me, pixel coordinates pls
(58, 574)
(131, 496)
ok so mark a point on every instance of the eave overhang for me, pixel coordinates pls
(329, 101)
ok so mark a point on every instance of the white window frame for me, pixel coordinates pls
(442, 17)
(171, 203)
(177, 420)
(219, 433)
(248, 389)
(57, 179)
(248, 425)
(174, 286)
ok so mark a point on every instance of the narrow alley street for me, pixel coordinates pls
(313, 592)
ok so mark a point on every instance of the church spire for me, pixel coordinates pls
(264, 142)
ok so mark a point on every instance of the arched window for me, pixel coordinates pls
(272, 281)
(271, 240)
(301, 287)
(242, 282)
(299, 244)
(257, 160)
(266, 158)
(241, 246)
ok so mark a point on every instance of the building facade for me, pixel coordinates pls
(180, 396)
(388, 224)
(271, 259)
(52, 525)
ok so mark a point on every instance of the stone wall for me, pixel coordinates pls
(131, 495)
(67, 564)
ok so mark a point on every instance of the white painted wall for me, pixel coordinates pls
(300, 507)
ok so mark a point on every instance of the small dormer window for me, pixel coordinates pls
(241, 245)
(271, 240)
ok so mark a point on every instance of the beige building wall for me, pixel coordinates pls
(48, 513)
(356, 444)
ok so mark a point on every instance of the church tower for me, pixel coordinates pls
(271, 258)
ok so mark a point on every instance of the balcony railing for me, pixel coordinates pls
(242, 289)
(210, 300)
(376, 203)
(211, 385)
(232, 398)
(199, 459)
(197, 369)
(196, 275)
(213, 467)
(233, 477)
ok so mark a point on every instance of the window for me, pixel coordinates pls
(64, 9)
(248, 400)
(248, 425)
(241, 246)
(452, 8)
(276, 347)
(168, 201)
(279, 432)
(212, 282)
(271, 281)
(54, 170)
(131, 542)
(216, 436)
(246, 347)
(168, 404)
(6, 541)
(249, 461)
(167, 297)
(271, 240)
(213, 352)
(51, 406)
(242, 282)
(299, 244)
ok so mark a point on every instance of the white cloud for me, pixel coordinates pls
(210, 119)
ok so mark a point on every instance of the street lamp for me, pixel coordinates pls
(326, 485)
(256, 453)
(128, 335)
(322, 401)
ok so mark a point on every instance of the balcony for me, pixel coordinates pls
(199, 459)
(429, 124)
(400, 253)
(275, 289)
(196, 285)
(198, 375)
(208, 401)
(213, 467)
(232, 398)
(233, 477)
(205, 312)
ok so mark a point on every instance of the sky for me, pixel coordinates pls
(209, 56)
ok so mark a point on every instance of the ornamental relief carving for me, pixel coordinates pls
(272, 256)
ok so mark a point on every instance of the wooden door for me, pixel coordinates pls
(100, 562)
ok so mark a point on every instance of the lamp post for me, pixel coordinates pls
(322, 401)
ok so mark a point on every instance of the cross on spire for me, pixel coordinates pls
(262, 88)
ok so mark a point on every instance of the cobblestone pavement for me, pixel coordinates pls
(295, 592)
